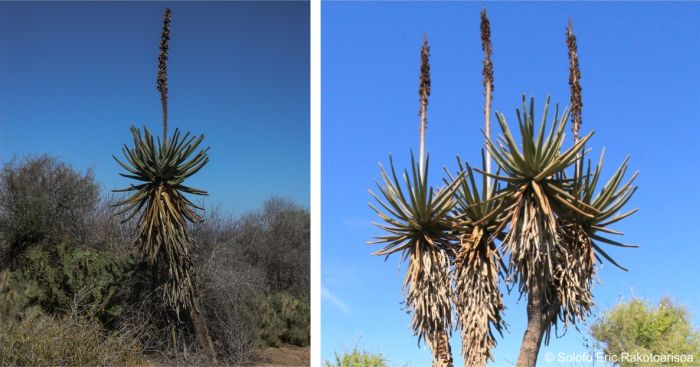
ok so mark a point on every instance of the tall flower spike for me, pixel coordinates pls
(424, 93)
(574, 84)
(488, 86)
(162, 78)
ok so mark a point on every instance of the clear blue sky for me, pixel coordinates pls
(75, 76)
(640, 81)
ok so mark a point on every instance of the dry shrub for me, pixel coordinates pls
(70, 340)
(229, 292)
(43, 200)
(276, 240)
(254, 278)
(229, 289)
(31, 338)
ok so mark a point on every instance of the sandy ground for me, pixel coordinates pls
(282, 356)
(288, 356)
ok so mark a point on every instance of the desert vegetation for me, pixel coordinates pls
(538, 224)
(75, 291)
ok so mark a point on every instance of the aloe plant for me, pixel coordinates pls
(530, 170)
(416, 220)
(161, 234)
(159, 201)
(554, 221)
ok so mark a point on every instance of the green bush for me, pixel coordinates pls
(285, 319)
(15, 298)
(63, 274)
(357, 358)
(28, 337)
(640, 328)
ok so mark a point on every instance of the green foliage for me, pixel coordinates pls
(415, 217)
(29, 337)
(357, 358)
(15, 298)
(61, 275)
(285, 319)
(636, 327)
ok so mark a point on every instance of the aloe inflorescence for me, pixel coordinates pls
(424, 85)
(574, 81)
(487, 74)
(423, 94)
(162, 79)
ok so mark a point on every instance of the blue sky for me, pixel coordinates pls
(640, 92)
(75, 76)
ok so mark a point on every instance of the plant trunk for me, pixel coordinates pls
(535, 328)
(442, 352)
(539, 317)
(202, 335)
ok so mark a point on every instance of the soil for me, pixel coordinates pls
(288, 356)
